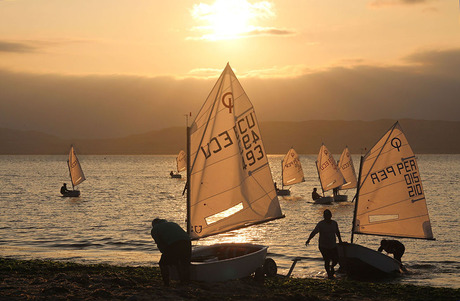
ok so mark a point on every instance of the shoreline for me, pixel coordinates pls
(44, 279)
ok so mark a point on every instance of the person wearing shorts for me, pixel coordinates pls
(328, 229)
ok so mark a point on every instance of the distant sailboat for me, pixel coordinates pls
(390, 202)
(329, 174)
(75, 172)
(181, 162)
(348, 172)
(229, 182)
(291, 172)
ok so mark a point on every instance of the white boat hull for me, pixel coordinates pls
(340, 198)
(324, 200)
(359, 261)
(226, 261)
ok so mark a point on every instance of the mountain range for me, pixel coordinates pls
(425, 137)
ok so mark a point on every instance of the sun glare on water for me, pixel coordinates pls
(229, 19)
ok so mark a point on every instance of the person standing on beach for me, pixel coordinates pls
(175, 247)
(327, 229)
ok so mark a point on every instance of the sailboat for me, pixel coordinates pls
(181, 162)
(291, 172)
(348, 172)
(229, 182)
(329, 174)
(390, 202)
(75, 172)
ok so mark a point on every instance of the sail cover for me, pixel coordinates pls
(181, 161)
(292, 169)
(348, 170)
(328, 171)
(390, 200)
(76, 173)
(230, 184)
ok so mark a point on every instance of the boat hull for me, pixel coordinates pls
(283, 192)
(340, 198)
(226, 261)
(71, 193)
(361, 262)
(324, 200)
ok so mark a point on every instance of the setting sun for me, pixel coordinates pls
(230, 19)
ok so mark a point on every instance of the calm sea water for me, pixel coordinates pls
(110, 221)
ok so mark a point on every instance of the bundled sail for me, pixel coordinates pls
(328, 171)
(292, 169)
(390, 199)
(76, 173)
(348, 170)
(230, 183)
(181, 161)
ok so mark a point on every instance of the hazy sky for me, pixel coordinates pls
(130, 66)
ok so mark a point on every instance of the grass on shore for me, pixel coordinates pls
(45, 280)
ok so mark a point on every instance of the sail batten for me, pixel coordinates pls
(391, 199)
(229, 166)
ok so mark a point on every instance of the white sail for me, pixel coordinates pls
(181, 161)
(348, 170)
(230, 183)
(292, 169)
(76, 173)
(390, 199)
(329, 173)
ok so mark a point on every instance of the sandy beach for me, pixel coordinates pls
(49, 280)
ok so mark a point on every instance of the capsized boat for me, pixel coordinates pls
(329, 174)
(181, 162)
(347, 169)
(229, 182)
(291, 172)
(390, 202)
(76, 174)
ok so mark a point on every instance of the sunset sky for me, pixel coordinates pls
(131, 66)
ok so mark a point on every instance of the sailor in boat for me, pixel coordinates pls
(315, 195)
(64, 189)
(392, 247)
(327, 229)
(175, 247)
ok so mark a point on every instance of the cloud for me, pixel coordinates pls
(16, 47)
(426, 87)
(382, 3)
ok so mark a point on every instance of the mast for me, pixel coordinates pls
(356, 197)
(68, 166)
(319, 177)
(282, 175)
(187, 184)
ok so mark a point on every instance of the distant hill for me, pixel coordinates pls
(425, 137)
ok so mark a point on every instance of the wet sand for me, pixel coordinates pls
(51, 280)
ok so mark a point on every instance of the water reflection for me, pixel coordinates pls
(111, 221)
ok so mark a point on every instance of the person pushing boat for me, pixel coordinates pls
(175, 247)
(392, 247)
